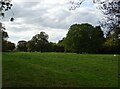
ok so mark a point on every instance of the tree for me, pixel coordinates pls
(6, 5)
(61, 42)
(21, 46)
(30, 46)
(111, 23)
(3, 32)
(56, 47)
(112, 43)
(3, 41)
(110, 9)
(7, 46)
(83, 38)
(39, 43)
(10, 46)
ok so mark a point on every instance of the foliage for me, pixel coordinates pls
(76, 4)
(3, 32)
(7, 46)
(30, 46)
(56, 47)
(110, 9)
(112, 43)
(83, 38)
(6, 5)
(39, 43)
(21, 46)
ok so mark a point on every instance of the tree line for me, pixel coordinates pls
(39, 43)
(84, 38)
(81, 38)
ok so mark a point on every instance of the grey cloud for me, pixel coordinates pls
(34, 17)
(30, 4)
(61, 18)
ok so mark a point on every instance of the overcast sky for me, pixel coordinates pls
(50, 16)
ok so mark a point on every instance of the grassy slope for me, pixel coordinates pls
(59, 69)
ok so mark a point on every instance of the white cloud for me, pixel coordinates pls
(51, 16)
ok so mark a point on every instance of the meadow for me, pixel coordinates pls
(36, 69)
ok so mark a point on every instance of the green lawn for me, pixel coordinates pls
(59, 69)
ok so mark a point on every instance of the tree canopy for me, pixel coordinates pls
(39, 43)
(6, 45)
(83, 38)
(6, 5)
(111, 11)
(21, 46)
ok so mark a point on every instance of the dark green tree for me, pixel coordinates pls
(5, 5)
(112, 43)
(110, 10)
(56, 47)
(3, 32)
(30, 46)
(5, 45)
(10, 46)
(3, 38)
(83, 38)
(22, 46)
(39, 43)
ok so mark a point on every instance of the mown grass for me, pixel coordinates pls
(59, 69)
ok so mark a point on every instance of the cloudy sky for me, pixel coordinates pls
(50, 16)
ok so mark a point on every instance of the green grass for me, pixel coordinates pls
(59, 69)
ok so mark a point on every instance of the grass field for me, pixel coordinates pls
(59, 69)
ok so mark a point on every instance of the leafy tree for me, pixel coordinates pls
(112, 43)
(3, 32)
(82, 38)
(7, 46)
(4, 35)
(4, 45)
(10, 46)
(6, 5)
(61, 42)
(22, 45)
(56, 47)
(30, 46)
(51, 47)
(110, 9)
(39, 43)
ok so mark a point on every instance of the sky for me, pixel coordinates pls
(51, 16)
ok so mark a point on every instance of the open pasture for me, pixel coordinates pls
(36, 69)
